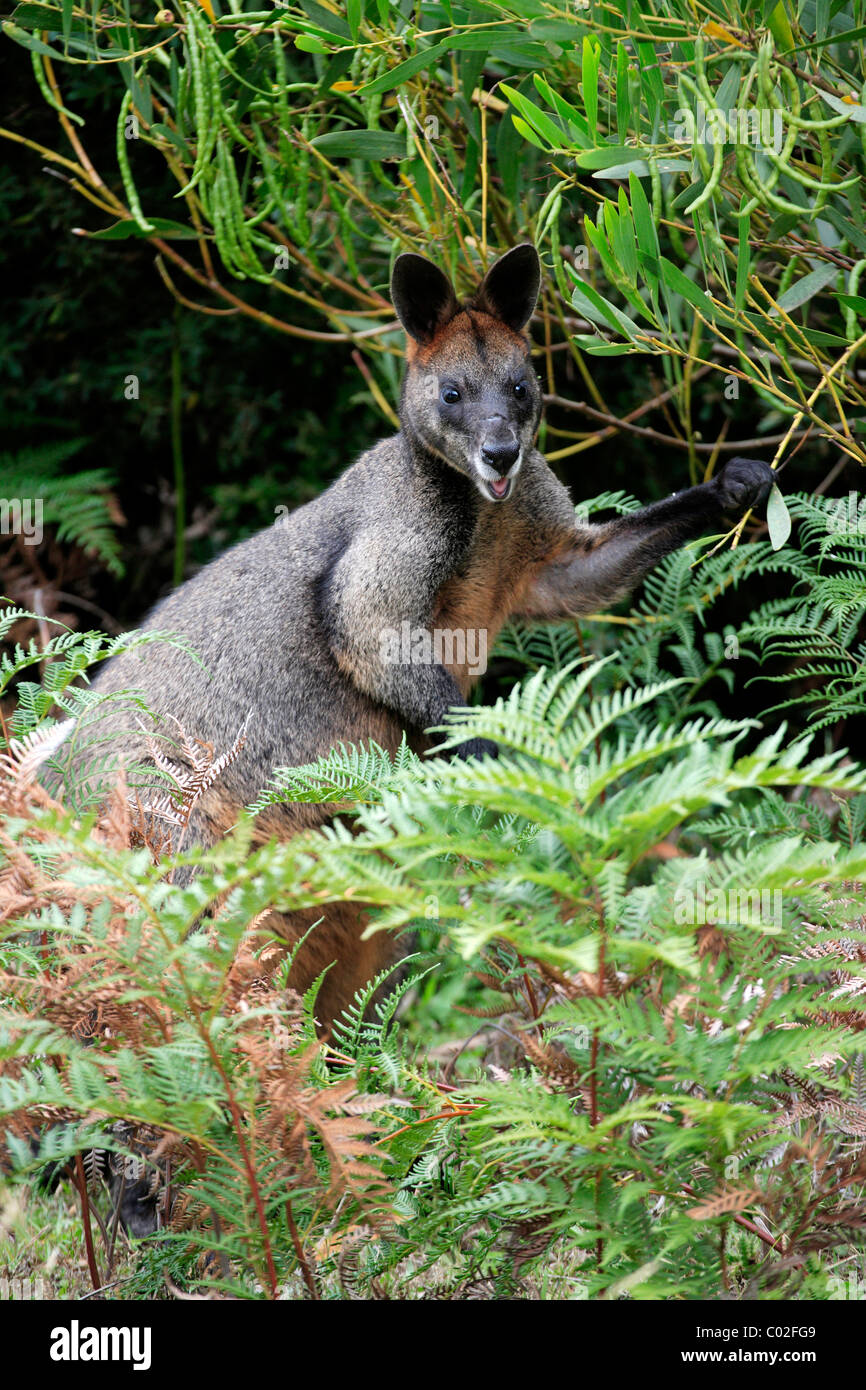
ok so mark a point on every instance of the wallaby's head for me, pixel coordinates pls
(470, 395)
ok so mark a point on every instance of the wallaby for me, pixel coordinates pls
(454, 523)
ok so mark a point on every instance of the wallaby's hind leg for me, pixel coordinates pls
(337, 942)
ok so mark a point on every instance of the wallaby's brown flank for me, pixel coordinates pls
(455, 523)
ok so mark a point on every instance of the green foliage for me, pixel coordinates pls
(656, 1084)
(36, 738)
(715, 184)
(193, 1044)
(817, 631)
(66, 658)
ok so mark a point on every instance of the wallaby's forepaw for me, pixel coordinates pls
(743, 484)
(476, 748)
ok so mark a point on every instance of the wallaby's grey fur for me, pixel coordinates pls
(456, 522)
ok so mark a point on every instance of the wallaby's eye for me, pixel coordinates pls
(520, 390)
(450, 395)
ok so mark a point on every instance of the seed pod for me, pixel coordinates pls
(48, 95)
(129, 187)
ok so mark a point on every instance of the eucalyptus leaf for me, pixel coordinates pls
(810, 285)
(163, 226)
(853, 110)
(362, 144)
(778, 518)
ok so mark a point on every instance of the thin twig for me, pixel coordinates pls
(81, 1183)
(624, 423)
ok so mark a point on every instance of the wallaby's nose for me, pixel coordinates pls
(500, 455)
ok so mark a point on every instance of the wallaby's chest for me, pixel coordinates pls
(486, 586)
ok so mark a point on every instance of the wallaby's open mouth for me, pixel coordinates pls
(499, 488)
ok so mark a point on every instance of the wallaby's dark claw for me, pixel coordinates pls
(743, 484)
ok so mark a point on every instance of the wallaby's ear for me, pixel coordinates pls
(422, 295)
(510, 287)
